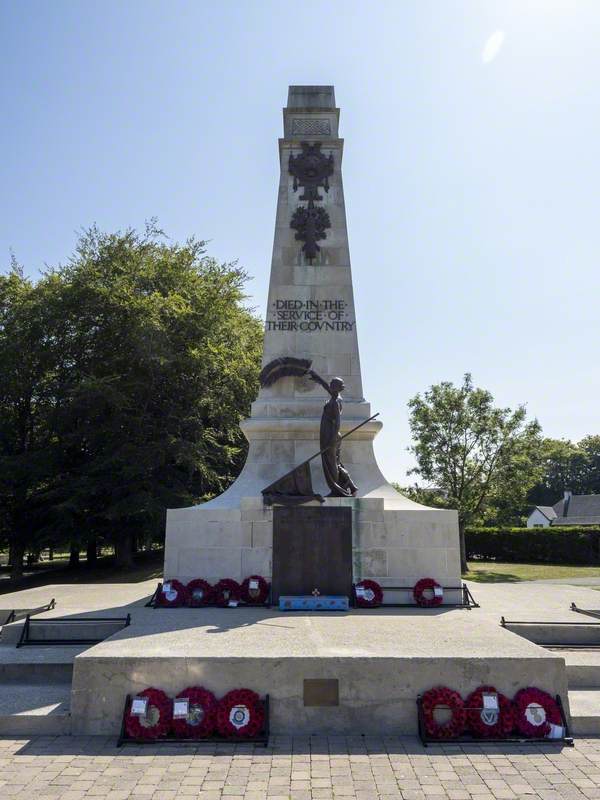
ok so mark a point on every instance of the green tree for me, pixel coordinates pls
(27, 410)
(477, 455)
(153, 360)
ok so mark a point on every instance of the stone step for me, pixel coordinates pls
(550, 633)
(29, 709)
(585, 711)
(48, 629)
(583, 667)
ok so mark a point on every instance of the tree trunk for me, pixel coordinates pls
(463, 547)
(74, 556)
(17, 551)
(124, 550)
(91, 552)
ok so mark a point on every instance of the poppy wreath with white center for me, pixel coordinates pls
(523, 700)
(202, 716)
(476, 722)
(374, 592)
(260, 594)
(443, 697)
(157, 720)
(419, 590)
(199, 585)
(180, 591)
(226, 590)
(240, 713)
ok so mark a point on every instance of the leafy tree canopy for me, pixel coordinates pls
(132, 366)
(477, 456)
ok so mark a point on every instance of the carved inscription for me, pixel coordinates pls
(310, 316)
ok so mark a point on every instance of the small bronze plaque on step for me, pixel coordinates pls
(321, 692)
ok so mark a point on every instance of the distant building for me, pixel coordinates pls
(572, 509)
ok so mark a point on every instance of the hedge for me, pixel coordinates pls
(560, 545)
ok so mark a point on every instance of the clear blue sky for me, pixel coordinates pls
(471, 172)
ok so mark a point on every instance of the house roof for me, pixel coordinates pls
(547, 511)
(582, 509)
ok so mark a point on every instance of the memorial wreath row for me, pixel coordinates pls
(194, 714)
(227, 592)
(487, 713)
(427, 593)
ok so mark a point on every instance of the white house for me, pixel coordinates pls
(572, 509)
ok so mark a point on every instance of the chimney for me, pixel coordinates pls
(568, 494)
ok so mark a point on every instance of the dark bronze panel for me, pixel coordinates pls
(312, 549)
(321, 692)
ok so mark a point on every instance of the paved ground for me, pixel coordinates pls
(300, 769)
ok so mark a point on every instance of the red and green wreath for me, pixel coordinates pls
(157, 720)
(487, 722)
(431, 599)
(535, 712)
(176, 596)
(257, 595)
(200, 593)
(225, 591)
(241, 714)
(371, 596)
(443, 698)
(202, 714)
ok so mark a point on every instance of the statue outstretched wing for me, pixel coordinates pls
(282, 368)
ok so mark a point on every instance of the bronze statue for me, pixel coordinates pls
(296, 485)
(336, 475)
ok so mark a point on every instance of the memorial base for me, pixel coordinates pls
(394, 542)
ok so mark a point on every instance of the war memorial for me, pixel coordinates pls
(312, 517)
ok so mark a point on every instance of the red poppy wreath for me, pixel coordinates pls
(226, 591)
(200, 592)
(537, 713)
(428, 585)
(255, 590)
(369, 594)
(489, 722)
(202, 714)
(157, 719)
(241, 714)
(172, 594)
(442, 697)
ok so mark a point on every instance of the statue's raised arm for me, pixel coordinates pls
(314, 376)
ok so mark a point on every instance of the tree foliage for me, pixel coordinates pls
(125, 375)
(566, 465)
(477, 456)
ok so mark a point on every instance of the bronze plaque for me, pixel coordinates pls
(312, 549)
(321, 692)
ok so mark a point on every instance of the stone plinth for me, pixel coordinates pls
(381, 659)
(394, 546)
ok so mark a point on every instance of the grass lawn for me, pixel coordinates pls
(496, 572)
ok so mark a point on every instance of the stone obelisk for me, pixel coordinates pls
(310, 315)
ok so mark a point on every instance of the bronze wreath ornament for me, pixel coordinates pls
(486, 723)
(427, 585)
(442, 697)
(200, 593)
(240, 714)
(202, 715)
(157, 720)
(176, 596)
(536, 712)
(225, 591)
(256, 595)
(371, 595)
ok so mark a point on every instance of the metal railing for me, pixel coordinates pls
(27, 639)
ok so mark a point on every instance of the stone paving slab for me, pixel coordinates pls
(298, 768)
